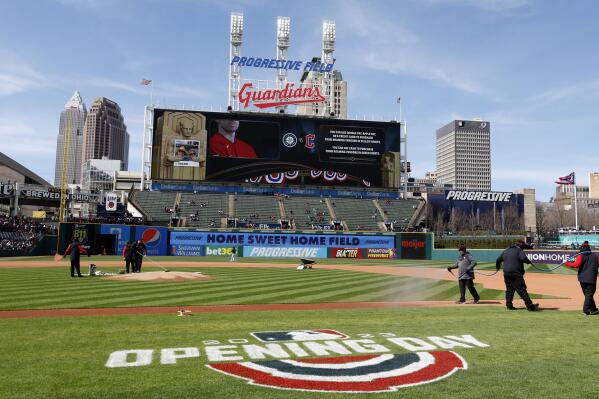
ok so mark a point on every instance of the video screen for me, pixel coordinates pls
(274, 148)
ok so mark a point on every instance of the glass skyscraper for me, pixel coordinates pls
(72, 118)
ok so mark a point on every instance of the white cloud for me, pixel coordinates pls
(115, 84)
(16, 134)
(17, 76)
(500, 6)
(584, 90)
(383, 44)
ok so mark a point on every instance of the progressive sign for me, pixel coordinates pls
(484, 196)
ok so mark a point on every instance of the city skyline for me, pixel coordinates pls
(501, 61)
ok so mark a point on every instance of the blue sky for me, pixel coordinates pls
(530, 67)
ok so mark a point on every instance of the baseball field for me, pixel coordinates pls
(263, 329)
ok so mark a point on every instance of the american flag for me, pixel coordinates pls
(145, 82)
(569, 179)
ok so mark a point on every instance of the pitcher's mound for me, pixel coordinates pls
(160, 276)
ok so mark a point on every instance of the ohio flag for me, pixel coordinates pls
(569, 179)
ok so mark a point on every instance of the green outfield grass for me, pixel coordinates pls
(548, 354)
(49, 288)
(482, 266)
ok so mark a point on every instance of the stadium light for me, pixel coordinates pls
(328, 32)
(283, 27)
(236, 33)
(236, 23)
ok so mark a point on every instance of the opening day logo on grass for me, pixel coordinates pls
(320, 360)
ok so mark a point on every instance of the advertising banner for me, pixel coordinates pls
(380, 253)
(197, 146)
(185, 243)
(187, 250)
(285, 252)
(300, 240)
(412, 245)
(549, 257)
(354, 253)
(577, 239)
(85, 233)
(122, 233)
(221, 251)
(259, 226)
(155, 239)
(276, 189)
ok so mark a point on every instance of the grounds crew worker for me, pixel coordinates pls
(76, 249)
(139, 249)
(586, 262)
(128, 256)
(465, 265)
(513, 259)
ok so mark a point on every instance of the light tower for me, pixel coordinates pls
(283, 30)
(328, 46)
(235, 50)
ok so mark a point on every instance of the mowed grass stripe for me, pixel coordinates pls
(400, 292)
(283, 295)
(223, 297)
(103, 286)
(408, 284)
(153, 291)
(141, 294)
(304, 293)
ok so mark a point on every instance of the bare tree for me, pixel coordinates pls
(512, 220)
(541, 220)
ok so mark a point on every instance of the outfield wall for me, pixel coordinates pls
(546, 256)
(481, 255)
(160, 241)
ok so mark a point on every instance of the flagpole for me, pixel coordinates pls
(575, 205)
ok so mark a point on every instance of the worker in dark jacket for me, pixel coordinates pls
(586, 262)
(513, 259)
(139, 251)
(465, 265)
(128, 256)
(75, 249)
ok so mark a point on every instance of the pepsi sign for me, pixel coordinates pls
(155, 239)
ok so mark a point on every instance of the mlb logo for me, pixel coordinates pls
(298, 335)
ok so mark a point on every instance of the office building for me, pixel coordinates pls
(105, 134)
(70, 141)
(464, 155)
